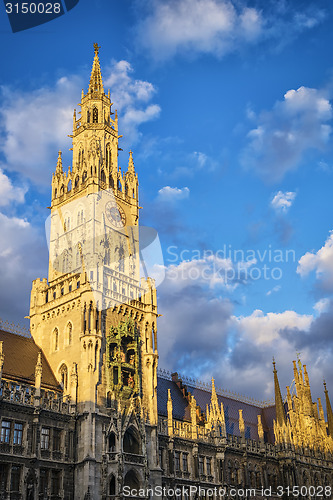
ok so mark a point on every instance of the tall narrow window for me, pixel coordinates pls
(55, 339)
(45, 438)
(5, 431)
(69, 333)
(15, 478)
(95, 115)
(18, 433)
(64, 375)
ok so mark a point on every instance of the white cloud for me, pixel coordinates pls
(203, 26)
(322, 305)
(9, 192)
(263, 328)
(131, 98)
(275, 289)
(23, 256)
(283, 201)
(34, 124)
(283, 135)
(215, 27)
(321, 262)
(168, 193)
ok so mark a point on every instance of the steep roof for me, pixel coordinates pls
(20, 361)
(181, 409)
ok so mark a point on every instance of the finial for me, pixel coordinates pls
(324, 382)
(274, 363)
(96, 47)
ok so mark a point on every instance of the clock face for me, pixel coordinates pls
(115, 214)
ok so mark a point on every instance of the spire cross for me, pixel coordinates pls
(96, 47)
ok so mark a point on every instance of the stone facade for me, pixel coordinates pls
(85, 414)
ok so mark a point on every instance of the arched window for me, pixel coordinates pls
(131, 480)
(84, 176)
(132, 441)
(103, 178)
(88, 116)
(111, 181)
(55, 339)
(112, 486)
(63, 372)
(55, 192)
(112, 442)
(95, 115)
(69, 331)
(133, 194)
(69, 186)
(62, 190)
(119, 185)
(126, 189)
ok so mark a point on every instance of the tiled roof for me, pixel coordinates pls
(181, 409)
(20, 360)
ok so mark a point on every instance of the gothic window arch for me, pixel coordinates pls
(84, 176)
(111, 181)
(55, 192)
(95, 115)
(55, 339)
(69, 186)
(77, 180)
(88, 116)
(112, 442)
(112, 486)
(132, 441)
(126, 189)
(119, 186)
(103, 177)
(133, 193)
(69, 333)
(131, 479)
(62, 190)
(63, 372)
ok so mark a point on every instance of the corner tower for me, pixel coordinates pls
(94, 317)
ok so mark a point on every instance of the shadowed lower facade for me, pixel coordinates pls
(85, 412)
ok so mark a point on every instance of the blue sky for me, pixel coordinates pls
(227, 107)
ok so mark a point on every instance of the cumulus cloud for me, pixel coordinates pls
(8, 192)
(282, 136)
(214, 26)
(131, 98)
(322, 305)
(23, 256)
(282, 201)
(200, 336)
(34, 124)
(321, 262)
(168, 193)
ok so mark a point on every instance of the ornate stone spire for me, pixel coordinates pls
(59, 170)
(131, 163)
(96, 82)
(279, 408)
(38, 374)
(329, 412)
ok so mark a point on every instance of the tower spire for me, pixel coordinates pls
(329, 412)
(96, 82)
(280, 413)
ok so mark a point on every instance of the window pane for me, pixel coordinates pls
(5, 431)
(18, 432)
(45, 438)
(15, 478)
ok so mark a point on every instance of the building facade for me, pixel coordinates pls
(85, 412)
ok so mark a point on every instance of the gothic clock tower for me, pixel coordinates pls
(94, 317)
